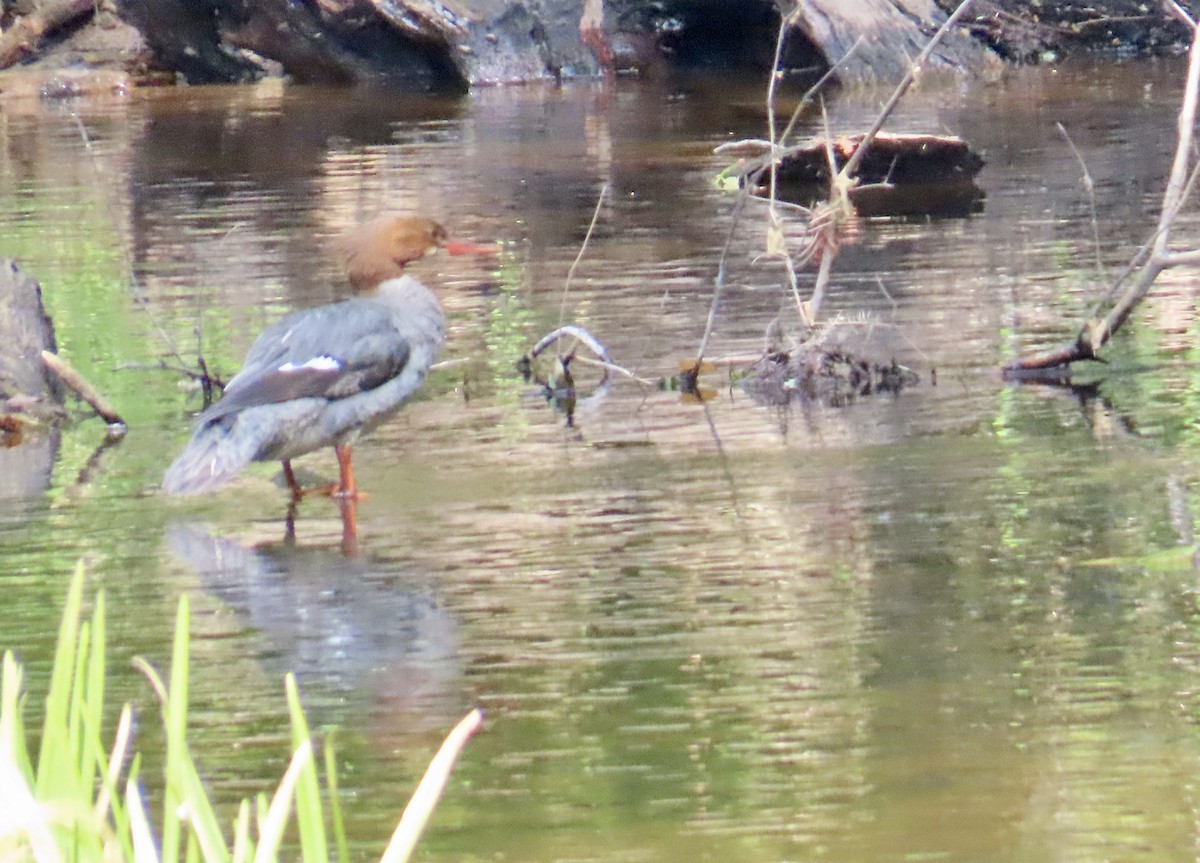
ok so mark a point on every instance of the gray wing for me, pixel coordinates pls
(329, 352)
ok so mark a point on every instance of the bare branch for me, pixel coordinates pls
(1152, 258)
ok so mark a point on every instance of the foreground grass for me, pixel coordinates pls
(83, 803)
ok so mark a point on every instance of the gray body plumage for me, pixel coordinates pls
(319, 377)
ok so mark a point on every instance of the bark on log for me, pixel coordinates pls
(457, 43)
(21, 39)
(25, 331)
(888, 34)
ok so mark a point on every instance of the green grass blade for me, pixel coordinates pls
(260, 815)
(309, 814)
(272, 826)
(204, 824)
(13, 748)
(76, 708)
(55, 752)
(92, 708)
(420, 807)
(176, 726)
(335, 802)
(243, 845)
(193, 849)
(144, 850)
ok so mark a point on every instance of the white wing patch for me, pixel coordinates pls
(316, 364)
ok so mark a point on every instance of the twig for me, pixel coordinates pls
(80, 386)
(575, 331)
(562, 307)
(138, 293)
(776, 73)
(613, 367)
(719, 281)
(1091, 193)
(860, 152)
(1179, 12)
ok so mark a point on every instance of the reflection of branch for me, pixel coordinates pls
(96, 460)
(1095, 333)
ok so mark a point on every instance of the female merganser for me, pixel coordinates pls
(324, 376)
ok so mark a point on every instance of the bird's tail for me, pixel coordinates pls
(217, 453)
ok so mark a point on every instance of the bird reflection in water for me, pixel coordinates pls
(353, 629)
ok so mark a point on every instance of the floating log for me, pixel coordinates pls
(900, 175)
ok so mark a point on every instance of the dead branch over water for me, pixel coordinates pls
(1152, 258)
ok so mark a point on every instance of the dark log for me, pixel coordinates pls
(900, 174)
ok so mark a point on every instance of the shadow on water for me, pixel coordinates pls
(347, 627)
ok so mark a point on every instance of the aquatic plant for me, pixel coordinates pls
(73, 807)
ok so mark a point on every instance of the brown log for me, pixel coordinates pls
(21, 40)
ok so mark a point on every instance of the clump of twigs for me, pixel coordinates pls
(828, 224)
(836, 364)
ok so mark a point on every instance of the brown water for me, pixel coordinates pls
(957, 624)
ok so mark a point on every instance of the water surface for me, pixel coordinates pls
(960, 623)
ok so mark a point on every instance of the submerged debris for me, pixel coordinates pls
(835, 367)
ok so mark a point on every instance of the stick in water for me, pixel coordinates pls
(80, 386)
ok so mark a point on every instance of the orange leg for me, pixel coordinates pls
(349, 509)
(347, 487)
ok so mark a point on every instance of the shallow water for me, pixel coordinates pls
(960, 623)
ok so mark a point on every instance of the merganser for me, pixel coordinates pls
(325, 376)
